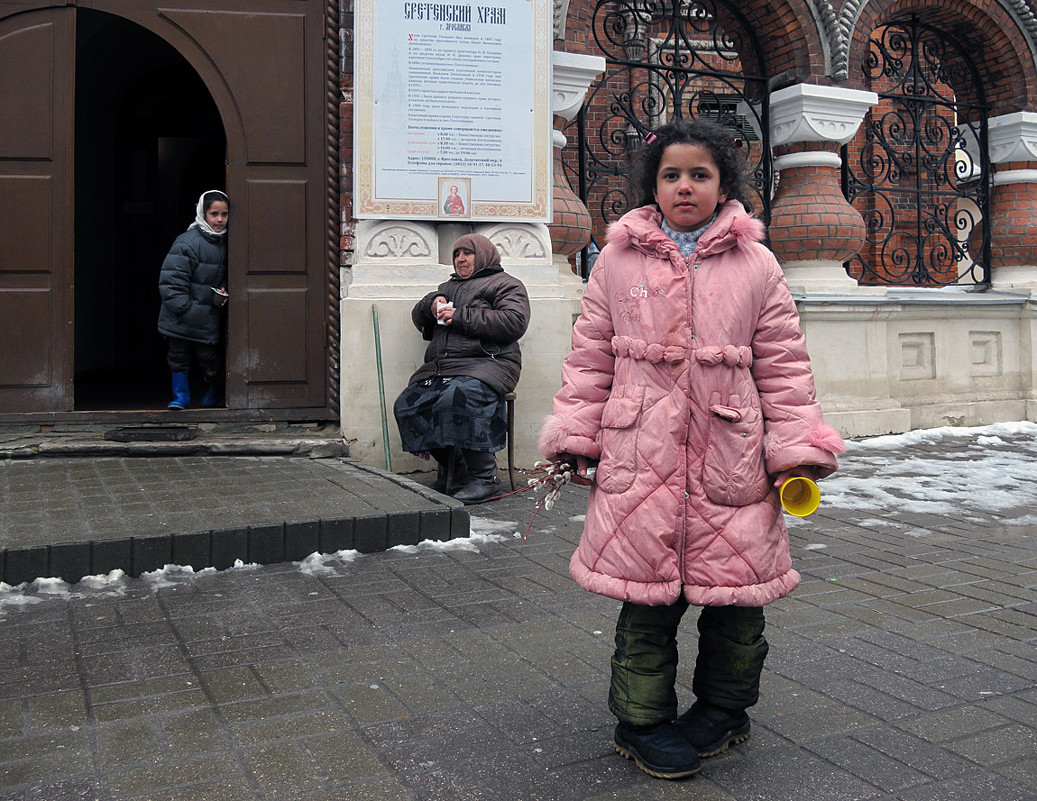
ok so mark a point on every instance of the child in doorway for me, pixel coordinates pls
(193, 288)
(690, 386)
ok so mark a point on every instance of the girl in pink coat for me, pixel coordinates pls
(690, 386)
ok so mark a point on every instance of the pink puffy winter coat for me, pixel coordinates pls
(689, 380)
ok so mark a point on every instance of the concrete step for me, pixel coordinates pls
(68, 440)
(70, 517)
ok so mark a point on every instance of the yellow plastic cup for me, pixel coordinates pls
(800, 496)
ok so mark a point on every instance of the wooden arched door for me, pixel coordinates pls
(36, 200)
(264, 67)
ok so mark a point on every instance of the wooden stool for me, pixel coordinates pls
(509, 401)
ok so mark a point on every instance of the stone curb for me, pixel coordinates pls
(376, 511)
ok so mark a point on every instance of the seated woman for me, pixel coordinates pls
(454, 405)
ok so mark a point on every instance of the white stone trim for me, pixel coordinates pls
(812, 158)
(810, 113)
(561, 11)
(1012, 137)
(1016, 278)
(572, 75)
(813, 277)
(395, 241)
(519, 243)
(1015, 177)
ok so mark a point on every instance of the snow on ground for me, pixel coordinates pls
(927, 471)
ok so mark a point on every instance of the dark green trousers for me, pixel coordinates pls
(732, 649)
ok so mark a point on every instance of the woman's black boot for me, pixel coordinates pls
(460, 476)
(483, 481)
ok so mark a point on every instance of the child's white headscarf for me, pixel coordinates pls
(199, 213)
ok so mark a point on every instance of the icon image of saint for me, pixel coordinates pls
(454, 204)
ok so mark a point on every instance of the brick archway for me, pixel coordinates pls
(997, 45)
(918, 169)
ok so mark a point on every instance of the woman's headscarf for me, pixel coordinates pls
(199, 212)
(486, 254)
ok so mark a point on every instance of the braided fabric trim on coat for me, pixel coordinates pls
(731, 355)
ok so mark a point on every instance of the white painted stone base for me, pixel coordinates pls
(823, 277)
(885, 360)
(922, 359)
(1020, 279)
(390, 284)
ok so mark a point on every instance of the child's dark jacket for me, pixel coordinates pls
(196, 263)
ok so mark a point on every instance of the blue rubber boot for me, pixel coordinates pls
(181, 392)
(211, 397)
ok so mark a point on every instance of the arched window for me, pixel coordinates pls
(665, 60)
(918, 170)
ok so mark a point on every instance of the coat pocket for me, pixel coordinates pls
(734, 472)
(619, 427)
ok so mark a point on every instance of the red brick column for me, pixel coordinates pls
(1013, 201)
(1013, 211)
(571, 224)
(813, 228)
(810, 218)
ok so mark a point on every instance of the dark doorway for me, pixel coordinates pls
(149, 140)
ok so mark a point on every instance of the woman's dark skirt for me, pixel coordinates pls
(461, 412)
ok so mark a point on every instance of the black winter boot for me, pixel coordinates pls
(460, 476)
(658, 750)
(711, 729)
(483, 481)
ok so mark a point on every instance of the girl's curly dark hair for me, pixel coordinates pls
(718, 140)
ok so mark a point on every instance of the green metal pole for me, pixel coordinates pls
(381, 386)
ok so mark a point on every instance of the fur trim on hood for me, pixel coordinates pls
(640, 229)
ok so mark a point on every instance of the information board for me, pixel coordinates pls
(452, 112)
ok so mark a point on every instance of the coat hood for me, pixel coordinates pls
(640, 229)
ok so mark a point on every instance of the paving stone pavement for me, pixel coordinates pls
(902, 668)
(77, 517)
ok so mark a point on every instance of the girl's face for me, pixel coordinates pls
(464, 262)
(687, 186)
(217, 215)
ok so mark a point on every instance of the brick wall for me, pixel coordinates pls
(788, 49)
(1012, 209)
(990, 38)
